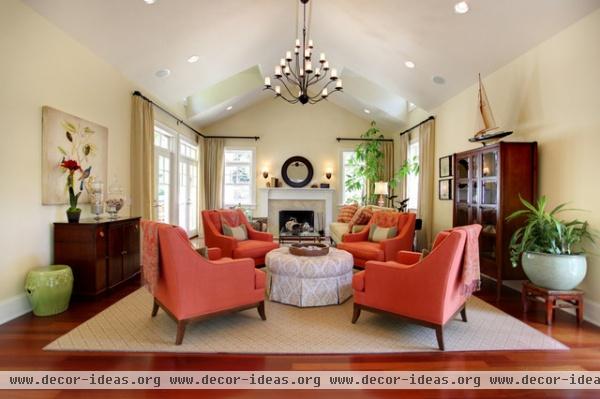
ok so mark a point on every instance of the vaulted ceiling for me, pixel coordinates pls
(368, 41)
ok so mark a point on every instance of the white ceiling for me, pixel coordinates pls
(371, 38)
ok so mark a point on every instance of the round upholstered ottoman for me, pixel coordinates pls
(309, 280)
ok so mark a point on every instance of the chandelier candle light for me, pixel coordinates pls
(297, 73)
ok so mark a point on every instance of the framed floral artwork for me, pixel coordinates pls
(67, 137)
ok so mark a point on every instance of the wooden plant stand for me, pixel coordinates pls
(568, 299)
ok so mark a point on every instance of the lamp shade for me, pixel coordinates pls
(381, 188)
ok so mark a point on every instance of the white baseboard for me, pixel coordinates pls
(591, 309)
(14, 307)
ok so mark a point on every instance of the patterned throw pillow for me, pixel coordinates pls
(240, 233)
(361, 217)
(377, 234)
(346, 212)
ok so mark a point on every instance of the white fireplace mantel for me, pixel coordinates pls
(296, 194)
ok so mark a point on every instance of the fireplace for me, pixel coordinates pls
(301, 217)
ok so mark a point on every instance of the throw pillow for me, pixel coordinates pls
(240, 233)
(377, 234)
(346, 212)
(361, 217)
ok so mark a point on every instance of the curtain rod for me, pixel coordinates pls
(417, 125)
(137, 93)
(357, 139)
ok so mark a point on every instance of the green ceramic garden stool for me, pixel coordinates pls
(49, 289)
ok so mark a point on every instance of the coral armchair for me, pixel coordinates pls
(191, 287)
(363, 250)
(256, 246)
(428, 292)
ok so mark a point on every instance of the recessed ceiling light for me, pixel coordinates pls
(461, 7)
(409, 64)
(367, 111)
(438, 80)
(193, 58)
(149, 1)
(162, 73)
(229, 108)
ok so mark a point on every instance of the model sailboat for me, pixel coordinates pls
(486, 124)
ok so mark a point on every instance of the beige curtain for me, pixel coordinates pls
(426, 182)
(403, 151)
(142, 158)
(213, 173)
(387, 147)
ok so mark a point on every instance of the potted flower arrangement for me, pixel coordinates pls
(550, 248)
(72, 166)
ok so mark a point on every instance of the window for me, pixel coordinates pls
(176, 163)
(163, 158)
(239, 179)
(412, 180)
(188, 187)
(349, 196)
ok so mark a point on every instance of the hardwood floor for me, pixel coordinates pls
(22, 340)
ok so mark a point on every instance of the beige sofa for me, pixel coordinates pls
(338, 229)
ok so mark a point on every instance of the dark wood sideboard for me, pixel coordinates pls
(102, 254)
(487, 185)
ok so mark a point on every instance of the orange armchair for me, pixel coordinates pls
(363, 250)
(428, 292)
(256, 246)
(191, 287)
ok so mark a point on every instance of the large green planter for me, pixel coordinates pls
(556, 272)
(49, 289)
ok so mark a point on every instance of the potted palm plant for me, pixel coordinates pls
(367, 166)
(550, 249)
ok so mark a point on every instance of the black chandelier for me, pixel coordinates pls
(297, 74)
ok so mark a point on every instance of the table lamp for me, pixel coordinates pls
(381, 189)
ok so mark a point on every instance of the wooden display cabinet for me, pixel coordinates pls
(487, 185)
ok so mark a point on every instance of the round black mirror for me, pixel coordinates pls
(297, 172)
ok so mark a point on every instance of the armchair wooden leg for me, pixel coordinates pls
(356, 313)
(261, 310)
(463, 313)
(154, 308)
(439, 333)
(181, 325)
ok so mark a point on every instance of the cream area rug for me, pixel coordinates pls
(127, 326)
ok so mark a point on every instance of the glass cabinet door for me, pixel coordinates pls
(489, 166)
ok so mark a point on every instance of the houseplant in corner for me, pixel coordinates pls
(368, 166)
(549, 248)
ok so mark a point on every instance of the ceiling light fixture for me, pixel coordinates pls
(193, 58)
(149, 1)
(409, 64)
(230, 108)
(461, 7)
(297, 73)
(367, 111)
(162, 73)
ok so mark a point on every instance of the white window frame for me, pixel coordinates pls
(174, 155)
(251, 205)
(189, 161)
(342, 170)
(412, 178)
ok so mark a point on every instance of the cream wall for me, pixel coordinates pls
(41, 65)
(286, 130)
(550, 95)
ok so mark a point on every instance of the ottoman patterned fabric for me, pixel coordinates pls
(309, 280)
